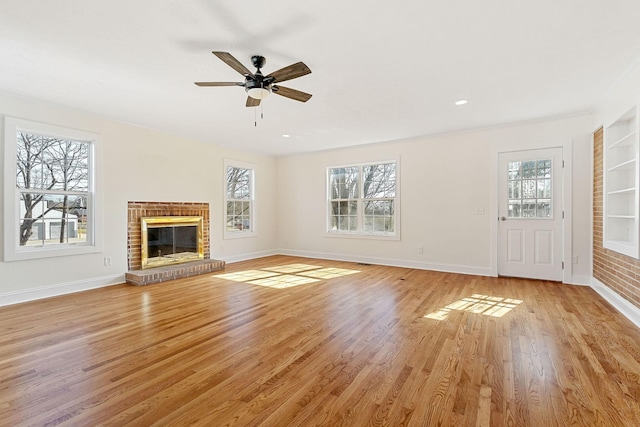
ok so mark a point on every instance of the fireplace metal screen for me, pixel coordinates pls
(170, 240)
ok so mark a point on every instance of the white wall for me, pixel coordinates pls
(445, 180)
(179, 170)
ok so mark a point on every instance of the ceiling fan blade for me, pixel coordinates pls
(218, 84)
(232, 62)
(252, 102)
(291, 93)
(293, 71)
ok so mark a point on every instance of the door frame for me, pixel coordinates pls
(567, 194)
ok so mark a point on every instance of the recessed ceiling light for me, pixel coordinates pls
(461, 102)
(286, 135)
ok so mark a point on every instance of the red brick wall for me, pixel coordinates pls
(137, 210)
(619, 272)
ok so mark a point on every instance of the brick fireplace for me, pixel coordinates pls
(135, 212)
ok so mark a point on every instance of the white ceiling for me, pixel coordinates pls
(381, 70)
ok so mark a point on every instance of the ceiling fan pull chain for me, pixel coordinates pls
(255, 118)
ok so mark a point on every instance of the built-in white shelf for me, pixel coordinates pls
(621, 184)
(624, 190)
(627, 164)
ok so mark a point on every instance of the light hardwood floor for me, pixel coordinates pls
(285, 341)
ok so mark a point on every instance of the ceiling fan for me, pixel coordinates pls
(257, 85)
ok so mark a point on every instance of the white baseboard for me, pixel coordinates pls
(392, 262)
(15, 297)
(629, 310)
(581, 280)
(246, 257)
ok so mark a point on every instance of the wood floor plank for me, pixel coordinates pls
(303, 342)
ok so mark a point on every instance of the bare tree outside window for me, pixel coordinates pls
(362, 199)
(344, 194)
(239, 199)
(52, 178)
(379, 194)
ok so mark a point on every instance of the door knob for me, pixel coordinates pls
(503, 218)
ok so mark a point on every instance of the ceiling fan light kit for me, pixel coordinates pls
(259, 86)
(258, 92)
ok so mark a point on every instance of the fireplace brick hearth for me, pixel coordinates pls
(171, 272)
(138, 210)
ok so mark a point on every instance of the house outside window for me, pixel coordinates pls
(239, 200)
(49, 191)
(363, 200)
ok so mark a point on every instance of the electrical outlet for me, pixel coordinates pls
(420, 250)
(107, 261)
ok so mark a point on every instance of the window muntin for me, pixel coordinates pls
(362, 199)
(529, 189)
(239, 201)
(50, 202)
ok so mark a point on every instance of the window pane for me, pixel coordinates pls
(52, 219)
(544, 188)
(529, 169)
(514, 170)
(343, 183)
(515, 209)
(238, 183)
(47, 163)
(529, 189)
(528, 209)
(239, 195)
(379, 216)
(544, 209)
(379, 181)
(514, 189)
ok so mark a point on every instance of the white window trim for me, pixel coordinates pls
(239, 234)
(12, 249)
(362, 234)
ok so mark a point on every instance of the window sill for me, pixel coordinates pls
(239, 235)
(39, 253)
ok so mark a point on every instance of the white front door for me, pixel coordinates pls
(530, 233)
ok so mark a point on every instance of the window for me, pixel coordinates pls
(49, 191)
(363, 200)
(529, 189)
(239, 200)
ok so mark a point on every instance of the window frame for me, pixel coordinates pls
(251, 232)
(12, 249)
(360, 233)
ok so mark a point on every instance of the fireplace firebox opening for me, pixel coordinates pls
(168, 240)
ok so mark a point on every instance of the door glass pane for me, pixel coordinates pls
(514, 208)
(529, 186)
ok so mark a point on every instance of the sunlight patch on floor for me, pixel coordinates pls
(246, 276)
(284, 281)
(292, 268)
(287, 276)
(478, 304)
(330, 273)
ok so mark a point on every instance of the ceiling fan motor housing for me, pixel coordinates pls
(258, 61)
